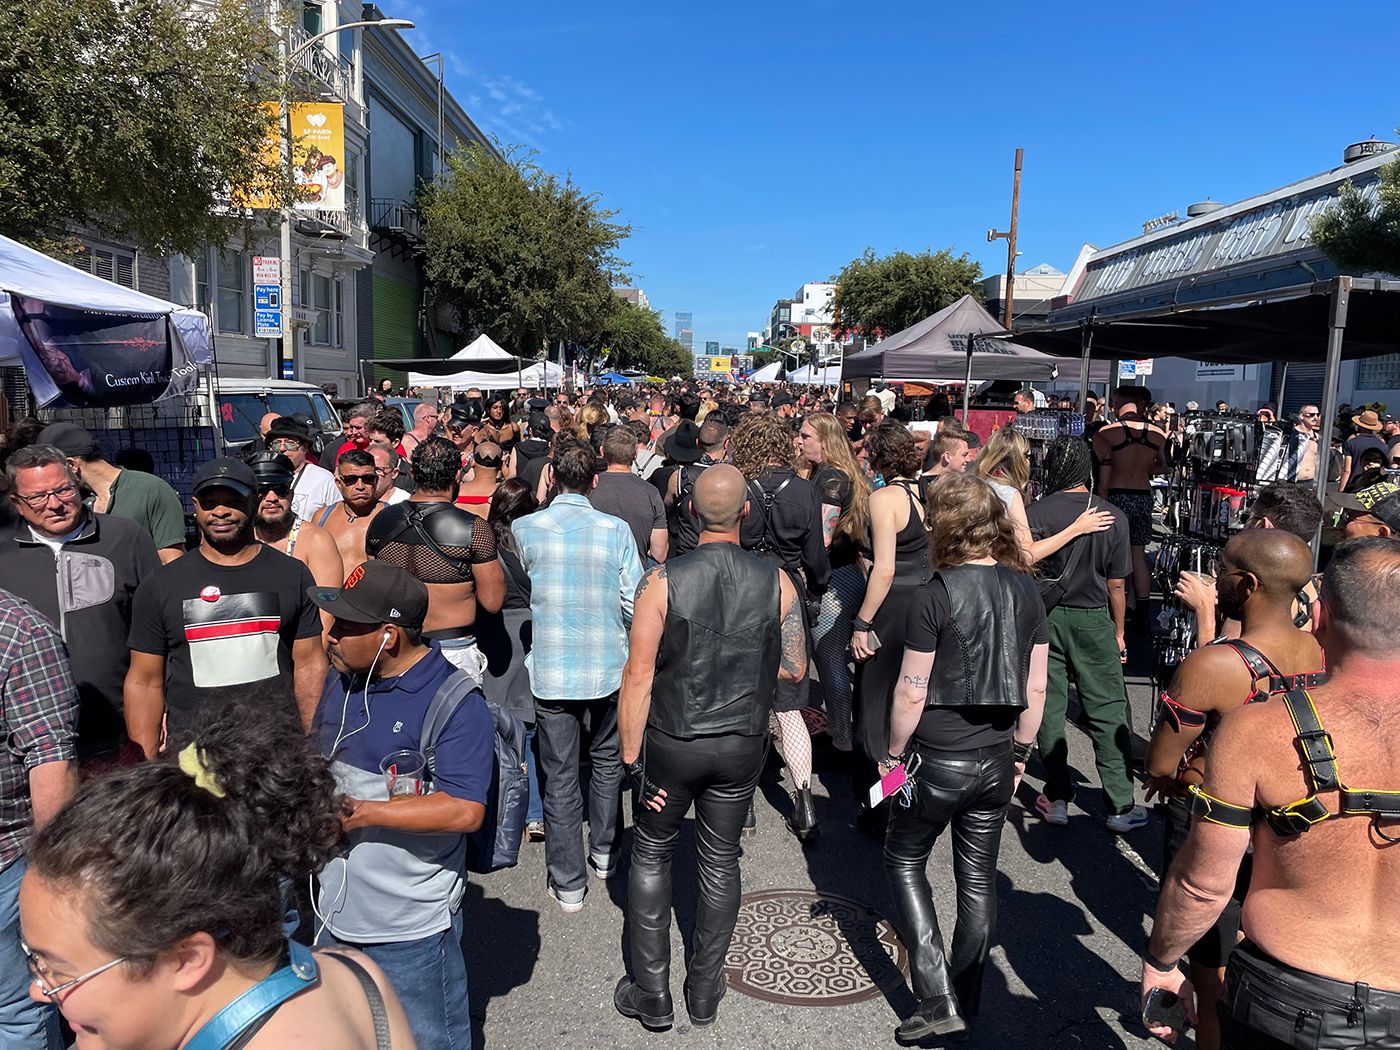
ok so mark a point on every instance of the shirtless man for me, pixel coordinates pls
(1129, 452)
(1320, 962)
(1262, 571)
(425, 421)
(277, 525)
(475, 492)
(357, 478)
(452, 552)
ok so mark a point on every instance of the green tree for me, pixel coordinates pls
(634, 335)
(1358, 239)
(880, 296)
(132, 116)
(520, 253)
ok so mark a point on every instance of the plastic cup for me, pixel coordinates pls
(404, 773)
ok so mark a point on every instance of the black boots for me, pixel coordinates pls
(703, 1008)
(654, 1010)
(803, 821)
(937, 1016)
(750, 822)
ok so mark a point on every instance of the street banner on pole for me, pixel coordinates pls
(318, 157)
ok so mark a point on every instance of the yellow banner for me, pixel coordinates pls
(318, 156)
(719, 364)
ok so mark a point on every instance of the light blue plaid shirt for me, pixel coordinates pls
(584, 572)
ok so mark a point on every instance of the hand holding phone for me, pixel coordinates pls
(1168, 1003)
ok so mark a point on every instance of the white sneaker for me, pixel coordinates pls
(1056, 813)
(1122, 822)
(602, 866)
(569, 900)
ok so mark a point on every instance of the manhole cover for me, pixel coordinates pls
(801, 948)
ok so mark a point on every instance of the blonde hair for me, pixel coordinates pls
(589, 417)
(837, 454)
(966, 520)
(1006, 458)
(759, 443)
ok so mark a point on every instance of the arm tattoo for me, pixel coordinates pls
(658, 573)
(794, 637)
(917, 681)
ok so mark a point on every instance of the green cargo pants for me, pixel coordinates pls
(1084, 640)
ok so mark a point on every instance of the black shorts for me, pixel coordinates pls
(1136, 505)
(1216, 944)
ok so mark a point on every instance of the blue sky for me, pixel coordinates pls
(755, 146)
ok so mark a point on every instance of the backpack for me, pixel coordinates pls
(496, 844)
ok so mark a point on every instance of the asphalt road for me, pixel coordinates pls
(1074, 907)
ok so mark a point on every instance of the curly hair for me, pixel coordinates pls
(155, 857)
(890, 450)
(761, 442)
(966, 519)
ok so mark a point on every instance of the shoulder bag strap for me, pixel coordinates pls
(1076, 548)
(445, 702)
(259, 1001)
(376, 1000)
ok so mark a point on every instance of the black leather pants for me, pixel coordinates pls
(718, 774)
(970, 790)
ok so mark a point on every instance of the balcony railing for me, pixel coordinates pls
(394, 217)
(331, 68)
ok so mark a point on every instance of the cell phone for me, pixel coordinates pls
(873, 640)
(1165, 1009)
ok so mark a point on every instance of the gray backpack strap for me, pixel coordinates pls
(445, 702)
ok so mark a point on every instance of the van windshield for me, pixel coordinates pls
(241, 413)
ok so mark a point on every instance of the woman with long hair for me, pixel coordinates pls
(505, 638)
(899, 545)
(153, 903)
(784, 526)
(1005, 464)
(845, 496)
(963, 721)
(590, 416)
(498, 426)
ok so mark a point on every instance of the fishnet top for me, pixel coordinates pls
(433, 550)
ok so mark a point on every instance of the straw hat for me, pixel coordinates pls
(1368, 420)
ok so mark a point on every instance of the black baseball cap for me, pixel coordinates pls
(1381, 500)
(68, 438)
(375, 592)
(226, 473)
(782, 398)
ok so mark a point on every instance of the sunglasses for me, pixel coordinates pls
(351, 480)
(281, 491)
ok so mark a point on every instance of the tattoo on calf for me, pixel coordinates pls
(794, 637)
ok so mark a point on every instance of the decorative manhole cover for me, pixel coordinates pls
(801, 948)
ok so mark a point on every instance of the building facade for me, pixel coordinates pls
(635, 296)
(685, 331)
(1031, 294)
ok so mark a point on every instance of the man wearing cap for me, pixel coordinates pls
(279, 527)
(1367, 436)
(143, 498)
(784, 404)
(80, 569)
(1373, 511)
(231, 612)
(462, 426)
(312, 486)
(712, 446)
(397, 894)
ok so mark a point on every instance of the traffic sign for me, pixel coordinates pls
(267, 269)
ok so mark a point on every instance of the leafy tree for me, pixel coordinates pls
(132, 116)
(634, 335)
(880, 296)
(1357, 239)
(520, 253)
(763, 358)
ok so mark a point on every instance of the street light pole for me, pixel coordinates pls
(286, 55)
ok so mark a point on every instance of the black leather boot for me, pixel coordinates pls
(704, 1008)
(653, 1009)
(750, 822)
(803, 821)
(937, 1016)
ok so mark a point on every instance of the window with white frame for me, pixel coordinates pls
(317, 296)
(232, 292)
(1379, 373)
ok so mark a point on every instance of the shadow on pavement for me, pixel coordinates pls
(491, 971)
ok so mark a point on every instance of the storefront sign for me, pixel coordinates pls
(1206, 373)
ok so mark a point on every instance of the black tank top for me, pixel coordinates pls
(911, 544)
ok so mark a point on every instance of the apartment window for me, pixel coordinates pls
(1379, 373)
(201, 281)
(311, 18)
(111, 264)
(316, 296)
(232, 291)
(339, 311)
(352, 185)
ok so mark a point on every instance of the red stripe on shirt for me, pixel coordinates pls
(232, 629)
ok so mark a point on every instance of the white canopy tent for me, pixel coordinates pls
(33, 275)
(483, 363)
(768, 373)
(828, 375)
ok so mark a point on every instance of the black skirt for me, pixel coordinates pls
(876, 677)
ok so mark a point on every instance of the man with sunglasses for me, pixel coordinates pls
(357, 477)
(1374, 511)
(1300, 462)
(312, 486)
(81, 570)
(277, 525)
(463, 424)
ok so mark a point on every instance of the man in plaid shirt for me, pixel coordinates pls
(584, 571)
(38, 717)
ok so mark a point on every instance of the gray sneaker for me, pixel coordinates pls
(570, 901)
(1129, 821)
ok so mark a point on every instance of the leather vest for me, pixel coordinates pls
(718, 662)
(984, 651)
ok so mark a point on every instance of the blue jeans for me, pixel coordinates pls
(430, 977)
(535, 811)
(23, 1022)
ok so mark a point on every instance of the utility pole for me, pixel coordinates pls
(1010, 238)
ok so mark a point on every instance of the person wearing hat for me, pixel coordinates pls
(462, 426)
(712, 441)
(1368, 427)
(312, 486)
(231, 612)
(142, 498)
(784, 404)
(277, 525)
(397, 894)
(1374, 511)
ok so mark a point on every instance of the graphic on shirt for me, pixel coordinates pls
(233, 639)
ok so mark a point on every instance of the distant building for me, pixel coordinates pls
(712, 347)
(1031, 297)
(685, 330)
(753, 340)
(635, 296)
(808, 316)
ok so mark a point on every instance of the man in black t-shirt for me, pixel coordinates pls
(1086, 638)
(1368, 426)
(619, 492)
(231, 612)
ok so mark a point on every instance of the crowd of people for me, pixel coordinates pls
(373, 673)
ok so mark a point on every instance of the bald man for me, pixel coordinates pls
(1261, 573)
(712, 633)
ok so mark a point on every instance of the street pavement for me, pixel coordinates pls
(1075, 904)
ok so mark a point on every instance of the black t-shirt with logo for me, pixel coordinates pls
(222, 625)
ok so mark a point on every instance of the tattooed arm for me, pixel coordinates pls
(793, 664)
(910, 697)
(648, 623)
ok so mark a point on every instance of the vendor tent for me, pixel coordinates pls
(90, 341)
(768, 373)
(613, 379)
(480, 363)
(830, 375)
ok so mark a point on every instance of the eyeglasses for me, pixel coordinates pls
(284, 445)
(281, 491)
(39, 974)
(40, 500)
(351, 480)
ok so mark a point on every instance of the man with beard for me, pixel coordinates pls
(278, 526)
(231, 612)
(1262, 570)
(357, 478)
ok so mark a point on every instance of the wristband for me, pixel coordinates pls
(1157, 964)
(1021, 752)
(896, 759)
(861, 625)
